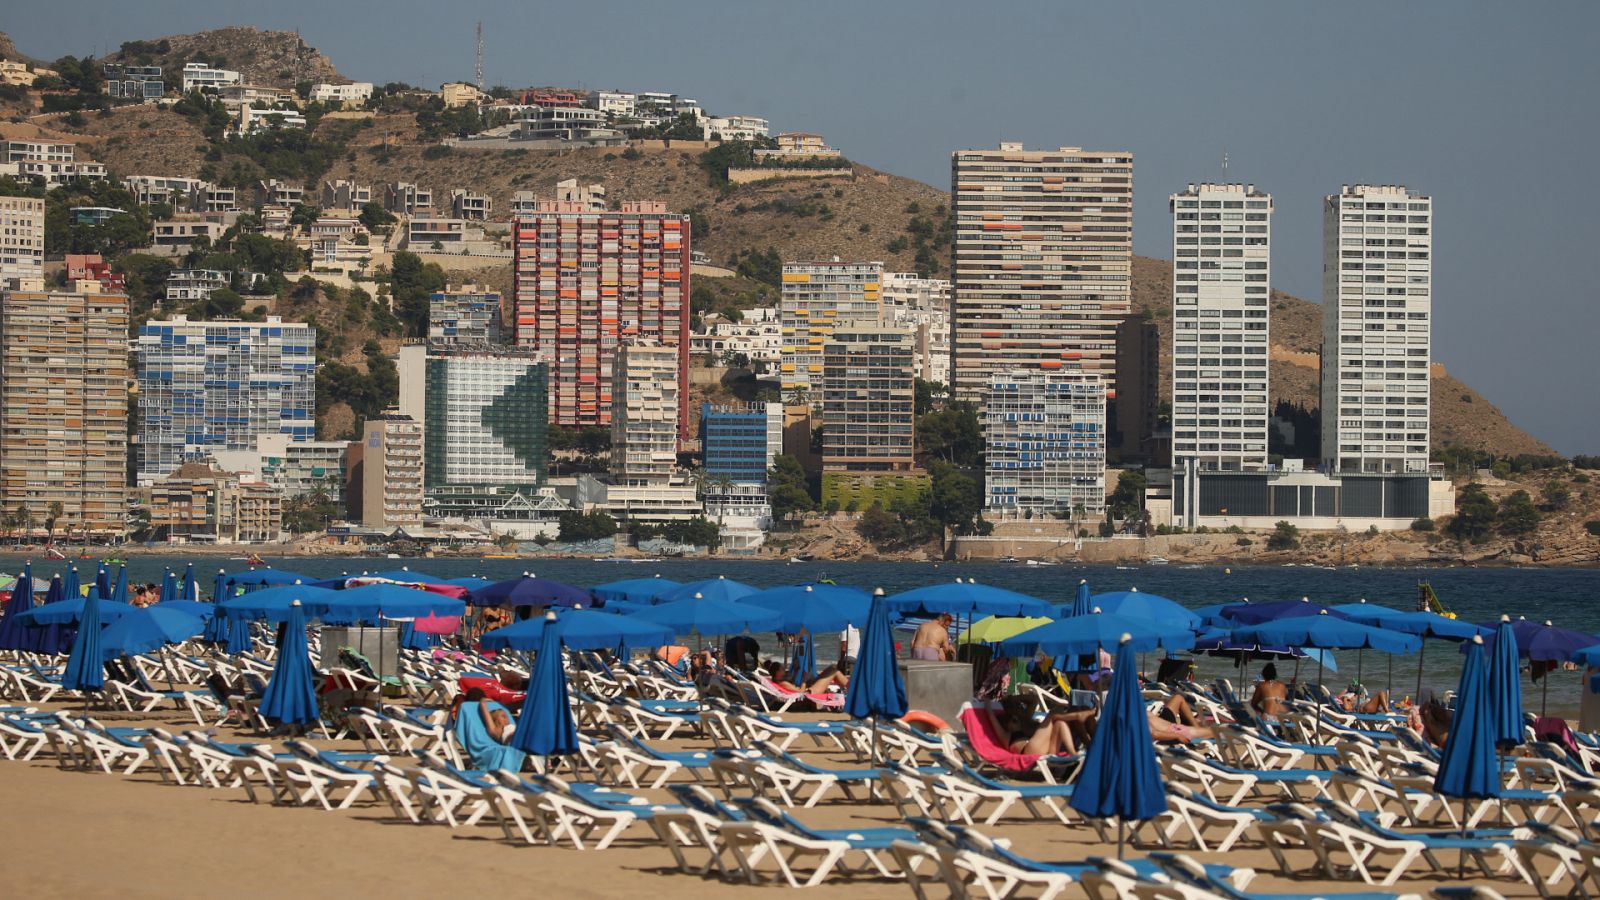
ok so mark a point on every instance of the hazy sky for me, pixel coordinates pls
(1488, 107)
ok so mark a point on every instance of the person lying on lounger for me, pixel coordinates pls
(830, 677)
(1039, 737)
(484, 728)
(1351, 700)
(1177, 723)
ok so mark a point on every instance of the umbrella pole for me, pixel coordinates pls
(1544, 692)
(1320, 657)
(1360, 652)
(1388, 686)
(1421, 651)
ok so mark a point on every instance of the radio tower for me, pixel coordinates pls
(480, 56)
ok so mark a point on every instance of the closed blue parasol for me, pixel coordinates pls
(169, 587)
(86, 667)
(1468, 768)
(1505, 689)
(876, 689)
(220, 589)
(1139, 605)
(1120, 778)
(580, 629)
(189, 587)
(1082, 603)
(14, 634)
(718, 588)
(701, 615)
(102, 580)
(967, 598)
(1256, 613)
(291, 694)
(634, 590)
(217, 626)
(143, 630)
(119, 592)
(52, 638)
(530, 590)
(1087, 635)
(71, 587)
(814, 607)
(237, 637)
(805, 660)
(546, 727)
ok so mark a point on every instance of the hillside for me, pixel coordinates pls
(262, 57)
(859, 218)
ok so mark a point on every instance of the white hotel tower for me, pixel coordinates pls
(1377, 316)
(1221, 245)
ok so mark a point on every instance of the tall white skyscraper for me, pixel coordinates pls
(1221, 277)
(1377, 317)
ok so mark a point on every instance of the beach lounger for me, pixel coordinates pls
(625, 758)
(799, 783)
(321, 775)
(1362, 837)
(571, 817)
(1185, 872)
(967, 791)
(1229, 784)
(113, 749)
(992, 751)
(995, 866)
(22, 736)
(791, 844)
(452, 796)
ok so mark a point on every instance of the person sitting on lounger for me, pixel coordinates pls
(483, 728)
(1432, 718)
(1271, 699)
(829, 677)
(1177, 723)
(1351, 701)
(1025, 734)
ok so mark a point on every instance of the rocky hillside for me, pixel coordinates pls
(8, 50)
(263, 57)
(870, 216)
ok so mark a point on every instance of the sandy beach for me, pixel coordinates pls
(89, 834)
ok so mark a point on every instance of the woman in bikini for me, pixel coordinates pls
(827, 678)
(1025, 734)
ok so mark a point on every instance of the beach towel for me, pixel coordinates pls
(492, 688)
(483, 751)
(990, 746)
(1557, 731)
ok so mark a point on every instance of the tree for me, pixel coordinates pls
(1556, 494)
(879, 528)
(1518, 515)
(953, 434)
(956, 500)
(929, 393)
(1285, 536)
(1593, 527)
(577, 526)
(375, 218)
(1128, 498)
(788, 487)
(696, 532)
(51, 514)
(1475, 513)
(304, 215)
(412, 284)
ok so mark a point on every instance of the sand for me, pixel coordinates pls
(89, 834)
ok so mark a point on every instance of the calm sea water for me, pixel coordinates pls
(1566, 596)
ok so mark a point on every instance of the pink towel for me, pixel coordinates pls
(991, 747)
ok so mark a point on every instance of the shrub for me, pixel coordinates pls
(1243, 542)
(437, 151)
(1422, 524)
(1593, 527)
(1285, 536)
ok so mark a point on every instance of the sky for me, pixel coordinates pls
(1488, 108)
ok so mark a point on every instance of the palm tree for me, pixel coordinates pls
(25, 521)
(51, 514)
(723, 484)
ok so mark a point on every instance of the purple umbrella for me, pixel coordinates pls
(1257, 613)
(530, 590)
(1543, 642)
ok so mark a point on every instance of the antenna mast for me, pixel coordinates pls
(480, 56)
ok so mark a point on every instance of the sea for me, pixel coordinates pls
(1568, 597)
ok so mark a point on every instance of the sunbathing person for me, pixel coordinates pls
(1433, 719)
(830, 677)
(1351, 701)
(1177, 723)
(484, 728)
(1025, 734)
(1271, 699)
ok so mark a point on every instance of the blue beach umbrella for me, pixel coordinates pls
(876, 689)
(1329, 633)
(220, 590)
(1422, 623)
(1545, 643)
(1505, 689)
(255, 578)
(1367, 613)
(967, 598)
(143, 630)
(1256, 613)
(13, 633)
(68, 612)
(273, 604)
(635, 590)
(119, 592)
(1082, 604)
(719, 588)
(405, 575)
(580, 629)
(291, 694)
(1087, 635)
(814, 607)
(236, 638)
(1213, 617)
(217, 626)
(530, 590)
(470, 582)
(1120, 777)
(805, 659)
(700, 615)
(169, 588)
(1139, 605)
(189, 588)
(545, 726)
(51, 638)
(86, 667)
(1468, 766)
(201, 611)
(102, 580)
(391, 601)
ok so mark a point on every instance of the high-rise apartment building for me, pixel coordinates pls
(465, 315)
(1137, 407)
(1046, 443)
(819, 297)
(64, 407)
(483, 416)
(868, 401)
(1043, 257)
(21, 241)
(589, 282)
(739, 442)
(390, 459)
(1377, 318)
(216, 385)
(921, 305)
(644, 420)
(1221, 277)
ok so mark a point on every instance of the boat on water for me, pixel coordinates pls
(1157, 560)
(53, 553)
(113, 561)
(1043, 562)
